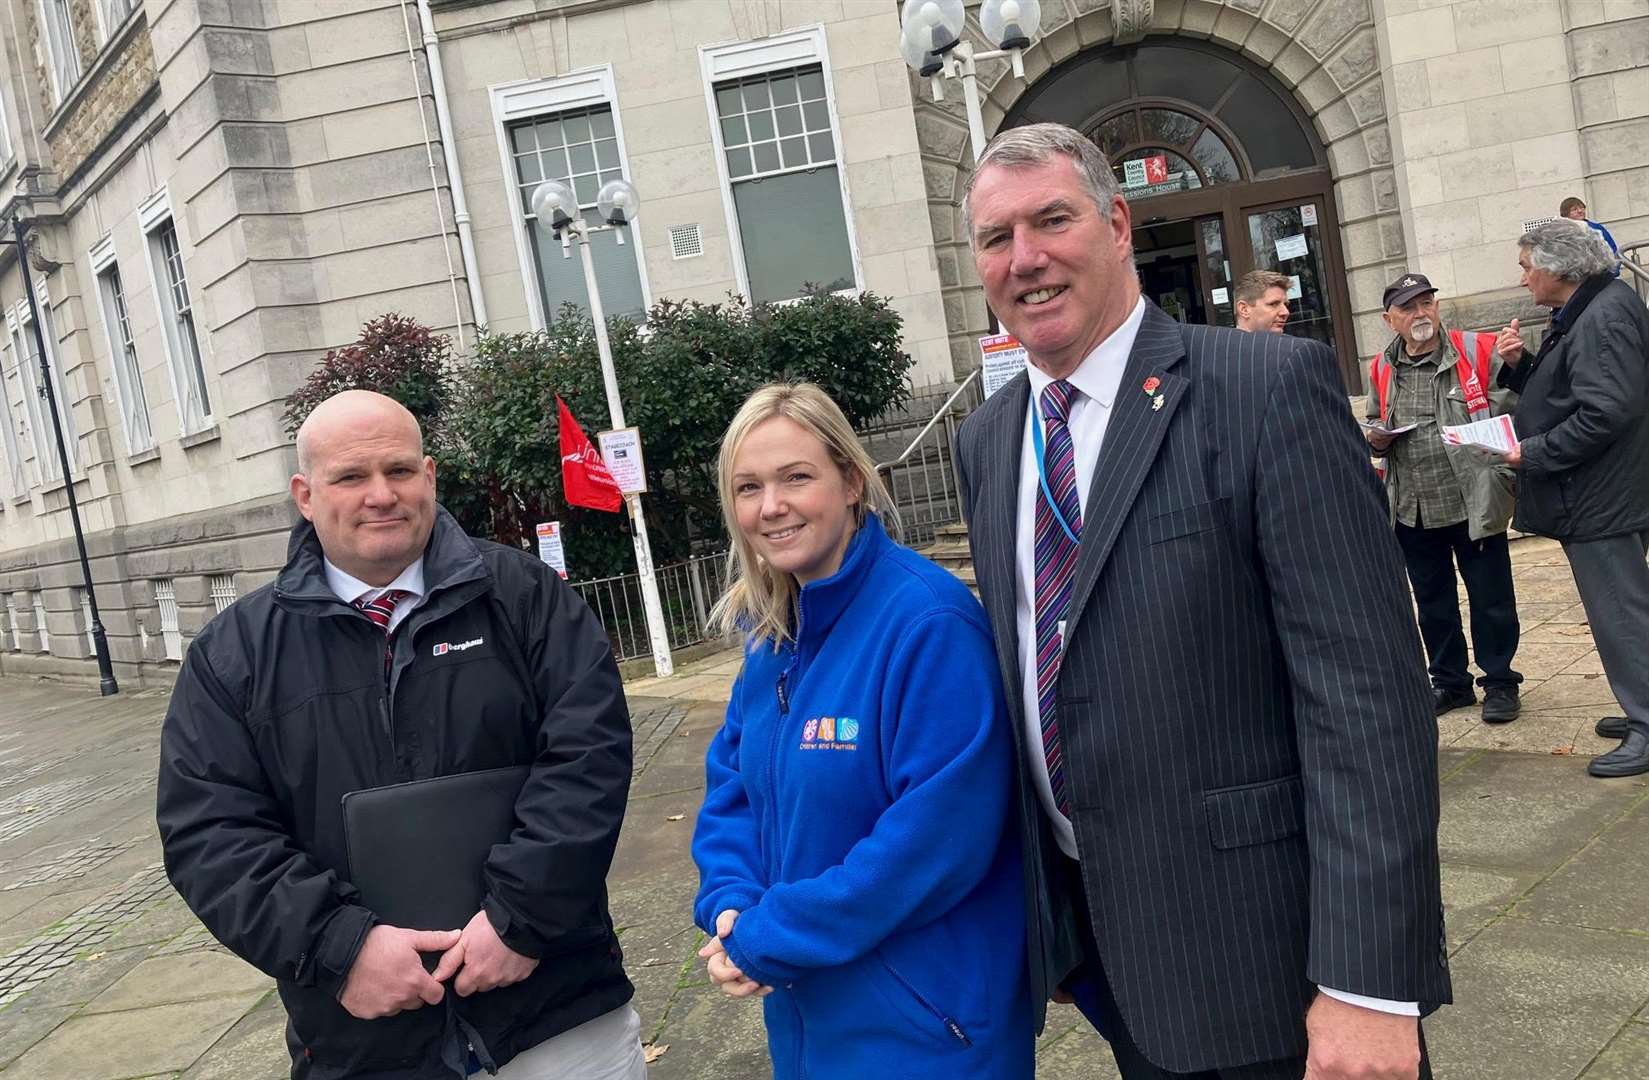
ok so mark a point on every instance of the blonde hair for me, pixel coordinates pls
(760, 601)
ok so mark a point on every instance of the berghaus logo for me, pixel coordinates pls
(456, 646)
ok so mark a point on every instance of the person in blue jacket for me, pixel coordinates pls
(858, 869)
(1575, 209)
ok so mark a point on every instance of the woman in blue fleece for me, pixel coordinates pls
(857, 864)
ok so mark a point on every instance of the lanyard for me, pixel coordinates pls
(1042, 471)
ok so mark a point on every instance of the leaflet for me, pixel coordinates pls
(1496, 433)
(1379, 427)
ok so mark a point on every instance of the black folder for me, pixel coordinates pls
(416, 850)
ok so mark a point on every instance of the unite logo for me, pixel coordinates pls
(456, 646)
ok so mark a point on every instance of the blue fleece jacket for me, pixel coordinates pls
(856, 813)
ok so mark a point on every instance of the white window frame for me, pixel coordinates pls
(170, 630)
(40, 627)
(763, 56)
(106, 26)
(117, 324)
(17, 472)
(154, 216)
(222, 589)
(60, 55)
(21, 324)
(5, 129)
(532, 98)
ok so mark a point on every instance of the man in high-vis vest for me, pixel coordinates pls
(1450, 505)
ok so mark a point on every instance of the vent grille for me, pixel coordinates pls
(685, 241)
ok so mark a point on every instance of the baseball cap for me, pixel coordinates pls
(1406, 288)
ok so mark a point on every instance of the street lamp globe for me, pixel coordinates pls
(1010, 24)
(554, 204)
(931, 29)
(617, 202)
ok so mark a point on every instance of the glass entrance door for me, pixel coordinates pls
(1289, 240)
(1215, 258)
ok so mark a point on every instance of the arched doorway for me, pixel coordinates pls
(1223, 175)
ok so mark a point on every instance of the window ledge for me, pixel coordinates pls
(143, 457)
(200, 438)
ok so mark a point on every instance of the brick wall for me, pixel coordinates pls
(102, 106)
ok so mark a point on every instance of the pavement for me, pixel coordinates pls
(105, 975)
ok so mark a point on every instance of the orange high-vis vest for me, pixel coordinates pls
(1474, 378)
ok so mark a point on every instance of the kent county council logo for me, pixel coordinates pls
(831, 733)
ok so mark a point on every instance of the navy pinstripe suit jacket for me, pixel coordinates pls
(1250, 746)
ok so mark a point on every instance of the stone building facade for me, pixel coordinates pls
(217, 191)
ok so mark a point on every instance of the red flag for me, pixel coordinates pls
(585, 480)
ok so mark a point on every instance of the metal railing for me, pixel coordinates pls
(687, 591)
(923, 480)
(1634, 266)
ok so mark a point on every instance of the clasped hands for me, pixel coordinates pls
(388, 975)
(723, 972)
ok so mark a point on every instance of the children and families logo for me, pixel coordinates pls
(831, 733)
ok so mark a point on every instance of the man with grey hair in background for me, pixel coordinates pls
(1583, 456)
(1227, 750)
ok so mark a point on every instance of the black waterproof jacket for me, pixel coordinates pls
(282, 707)
(1581, 418)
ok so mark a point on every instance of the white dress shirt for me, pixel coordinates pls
(350, 589)
(1098, 381)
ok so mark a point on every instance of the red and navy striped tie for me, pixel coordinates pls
(379, 611)
(1055, 562)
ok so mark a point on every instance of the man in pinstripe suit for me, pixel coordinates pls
(1228, 754)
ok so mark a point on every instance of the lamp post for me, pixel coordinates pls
(931, 43)
(100, 641)
(556, 208)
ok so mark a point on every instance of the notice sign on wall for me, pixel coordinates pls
(621, 450)
(550, 549)
(1001, 358)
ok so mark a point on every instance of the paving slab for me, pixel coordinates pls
(254, 1049)
(165, 980)
(1626, 1058)
(162, 923)
(1541, 660)
(1549, 998)
(1473, 897)
(1525, 812)
(1550, 633)
(1070, 1049)
(92, 973)
(1531, 733)
(112, 1046)
(1605, 886)
(712, 1035)
(1570, 692)
(21, 1029)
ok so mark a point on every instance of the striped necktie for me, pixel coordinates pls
(1055, 562)
(379, 611)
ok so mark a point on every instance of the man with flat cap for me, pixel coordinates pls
(1450, 505)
